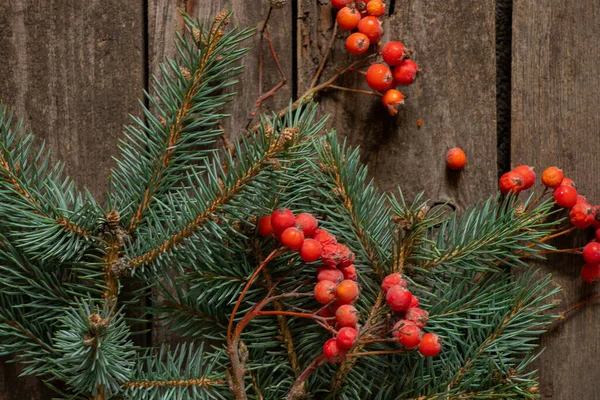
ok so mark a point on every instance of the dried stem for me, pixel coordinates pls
(299, 385)
(325, 57)
(576, 306)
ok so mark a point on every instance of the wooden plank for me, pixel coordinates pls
(453, 42)
(164, 20)
(556, 76)
(73, 70)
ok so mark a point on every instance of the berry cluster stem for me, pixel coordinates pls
(299, 385)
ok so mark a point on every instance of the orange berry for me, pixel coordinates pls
(376, 8)
(371, 27)
(348, 18)
(307, 223)
(392, 100)
(310, 250)
(292, 238)
(456, 159)
(379, 77)
(511, 182)
(357, 43)
(325, 292)
(329, 274)
(528, 175)
(430, 345)
(552, 177)
(324, 237)
(346, 315)
(347, 291)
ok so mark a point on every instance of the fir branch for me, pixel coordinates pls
(202, 382)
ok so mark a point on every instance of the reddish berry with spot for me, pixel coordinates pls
(264, 226)
(582, 200)
(310, 250)
(330, 255)
(552, 177)
(456, 159)
(371, 27)
(393, 53)
(379, 77)
(568, 182)
(511, 182)
(292, 238)
(418, 316)
(347, 315)
(281, 219)
(430, 345)
(347, 291)
(406, 73)
(414, 302)
(324, 237)
(348, 18)
(528, 175)
(325, 292)
(376, 8)
(398, 298)
(347, 257)
(392, 280)
(307, 223)
(329, 274)
(581, 215)
(357, 43)
(349, 272)
(565, 196)
(392, 100)
(347, 337)
(591, 253)
(408, 334)
(333, 352)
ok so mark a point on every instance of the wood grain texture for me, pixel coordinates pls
(73, 70)
(555, 121)
(453, 42)
(164, 20)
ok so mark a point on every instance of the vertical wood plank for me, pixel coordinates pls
(164, 20)
(555, 121)
(453, 42)
(73, 70)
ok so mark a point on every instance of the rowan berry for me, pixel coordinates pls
(371, 27)
(590, 273)
(347, 291)
(349, 272)
(406, 72)
(379, 77)
(324, 237)
(347, 337)
(307, 223)
(552, 177)
(393, 53)
(568, 182)
(418, 316)
(392, 280)
(591, 253)
(310, 250)
(331, 255)
(340, 3)
(281, 219)
(408, 334)
(414, 302)
(347, 256)
(292, 238)
(264, 226)
(430, 345)
(511, 182)
(456, 159)
(376, 8)
(347, 315)
(392, 100)
(357, 43)
(565, 196)
(325, 292)
(581, 216)
(582, 200)
(528, 175)
(333, 352)
(348, 18)
(329, 274)
(398, 298)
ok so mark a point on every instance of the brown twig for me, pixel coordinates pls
(299, 385)
(376, 353)
(323, 62)
(576, 306)
(370, 93)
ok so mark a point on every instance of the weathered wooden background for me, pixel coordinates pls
(510, 81)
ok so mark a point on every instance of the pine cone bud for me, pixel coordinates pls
(288, 134)
(422, 213)
(186, 73)
(119, 268)
(97, 324)
(253, 219)
(197, 34)
(113, 218)
(162, 120)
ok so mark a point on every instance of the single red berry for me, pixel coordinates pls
(565, 196)
(324, 237)
(511, 182)
(408, 334)
(325, 292)
(393, 53)
(590, 273)
(430, 345)
(349, 272)
(292, 238)
(333, 352)
(418, 316)
(371, 27)
(456, 159)
(406, 72)
(347, 291)
(310, 250)
(264, 226)
(307, 223)
(347, 337)
(581, 216)
(340, 3)
(552, 177)
(330, 255)
(376, 8)
(414, 302)
(347, 315)
(281, 219)
(347, 256)
(568, 182)
(326, 312)
(591, 253)
(392, 100)
(528, 175)
(379, 77)
(398, 298)
(357, 43)
(329, 274)
(392, 280)
(348, 18)
(582, 200)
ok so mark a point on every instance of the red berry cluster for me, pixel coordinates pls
(519, 179)
(363, 15)
(408, 330)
